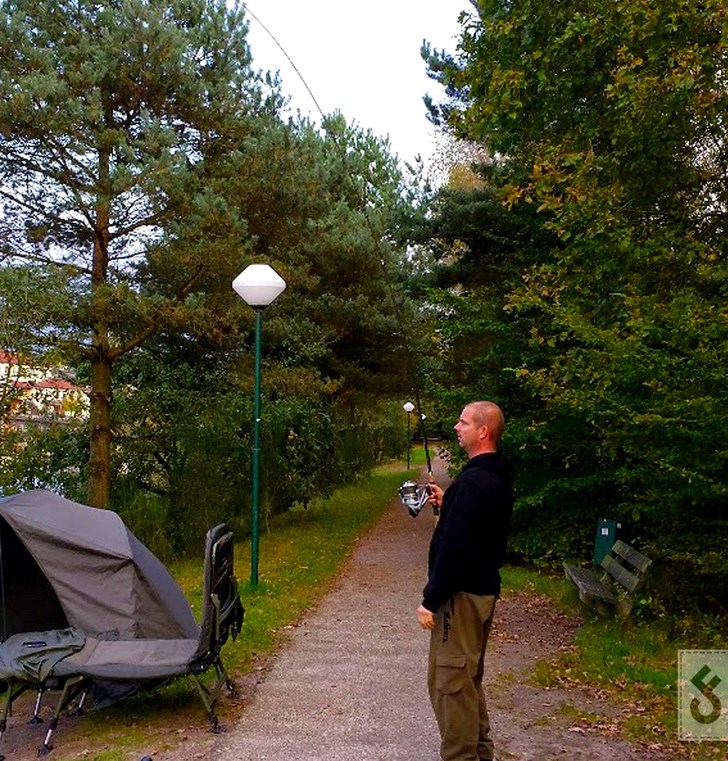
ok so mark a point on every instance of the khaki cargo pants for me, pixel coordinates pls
(455, 676)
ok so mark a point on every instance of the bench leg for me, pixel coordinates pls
(624, 607)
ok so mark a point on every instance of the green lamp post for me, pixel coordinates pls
(258, 285)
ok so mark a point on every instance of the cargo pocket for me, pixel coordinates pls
(450, 674)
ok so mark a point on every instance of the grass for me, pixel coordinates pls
(537, 581)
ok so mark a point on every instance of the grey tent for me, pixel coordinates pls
(86, 606)
(66, 564)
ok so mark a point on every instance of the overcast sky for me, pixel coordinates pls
(362, 59)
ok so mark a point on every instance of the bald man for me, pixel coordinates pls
(466, 552)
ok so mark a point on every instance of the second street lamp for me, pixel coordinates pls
(258, 285)
(408, 407)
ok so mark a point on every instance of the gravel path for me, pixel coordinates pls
(350, 684)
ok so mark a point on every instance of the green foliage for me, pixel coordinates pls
(45, 458)
(187, 435)
(110, 117)
(690, 565)
(182, 407)
(601, 326)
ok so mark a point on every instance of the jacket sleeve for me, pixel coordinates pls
(456, 542)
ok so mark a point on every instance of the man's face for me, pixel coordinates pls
(468, 432)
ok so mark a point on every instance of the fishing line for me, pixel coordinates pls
(288, 58)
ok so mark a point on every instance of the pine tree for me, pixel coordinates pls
(109, 116)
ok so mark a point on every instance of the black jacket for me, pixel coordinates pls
(469, 543)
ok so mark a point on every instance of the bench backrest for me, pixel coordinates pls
(626, 565)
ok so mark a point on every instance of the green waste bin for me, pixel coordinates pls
(606, 535)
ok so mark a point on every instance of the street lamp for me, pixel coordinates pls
(258, 285)
(408, 407)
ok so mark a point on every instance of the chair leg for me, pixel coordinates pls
(209, 695)
(208, 699)
(13, 691)
(232, 688)
(80, 709)
(6, 713)
(71, 688)
(46, 748)
(35, 718)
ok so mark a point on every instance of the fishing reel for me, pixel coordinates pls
(414, 497)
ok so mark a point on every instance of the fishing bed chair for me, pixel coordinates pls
(125, 666)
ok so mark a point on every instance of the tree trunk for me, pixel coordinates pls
(99, 483)
(99, 465)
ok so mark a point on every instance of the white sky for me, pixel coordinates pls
(362, 59)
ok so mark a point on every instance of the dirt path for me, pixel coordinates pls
(350, 683)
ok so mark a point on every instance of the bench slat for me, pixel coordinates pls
(631, 555)
(626, 578)
(589, 583)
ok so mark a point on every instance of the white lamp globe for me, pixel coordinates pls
(259, 285)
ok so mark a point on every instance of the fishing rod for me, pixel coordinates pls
(424, 444)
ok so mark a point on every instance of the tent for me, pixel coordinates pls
(63, 564)
(86, 607)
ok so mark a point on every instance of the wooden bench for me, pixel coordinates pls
(613, 589)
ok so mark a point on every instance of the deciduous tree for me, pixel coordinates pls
(611, 123)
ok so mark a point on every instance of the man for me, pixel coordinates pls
(466, 553)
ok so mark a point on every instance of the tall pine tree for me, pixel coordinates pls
(109, 115)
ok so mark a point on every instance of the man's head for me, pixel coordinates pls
(480, 427)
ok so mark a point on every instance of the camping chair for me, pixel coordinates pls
(125, 664)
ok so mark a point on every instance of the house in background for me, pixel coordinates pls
(31, 395)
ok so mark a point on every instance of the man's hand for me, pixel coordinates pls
(436, 493)
(426, 618)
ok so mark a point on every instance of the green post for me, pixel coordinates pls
(409, 441)
(255, 501)
(258, 285)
